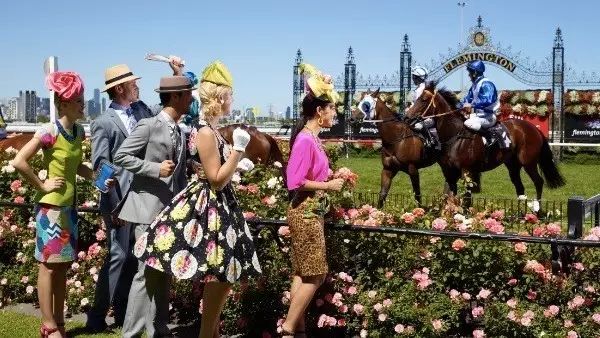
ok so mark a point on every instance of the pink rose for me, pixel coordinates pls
(284, 231)
(341, 322)
(498, 214)
(512, 282)
(19, 200)
(378, 307)
(477, 312)
(439, 224)
(531, 218)
(512, 303)
(551, 311)
(15, 185)
(382, 317)
(387, 302)
(399, 328)
(521, 247)
(351, 290)
(484, 294)
(358, 309)
(458, 245)
(576, 302)
(67, 85)
(568, 323)
(248, 215)
(454, 294)
(100, 235)
(419, 212)
(579, 266)
(553, 229)
(478, 334)
(526, 321)
(572, 334)
(408, 218)
(596, 318)
(531, 295)
(466, 296)
(253, 188)
(437, 324)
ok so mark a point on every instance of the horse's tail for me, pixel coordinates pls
(549, 169)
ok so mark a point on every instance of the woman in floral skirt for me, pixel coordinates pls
(307, 174)
(55, 213)
(202, 234)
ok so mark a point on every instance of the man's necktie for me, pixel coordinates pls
(131, 121)
(176, 140)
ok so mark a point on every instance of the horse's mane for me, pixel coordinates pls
(448, 95)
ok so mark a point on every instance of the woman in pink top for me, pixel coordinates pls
(307, 173)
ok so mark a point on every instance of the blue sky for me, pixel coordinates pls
(258, 39)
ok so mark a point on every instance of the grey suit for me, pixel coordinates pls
(142, 153)
(114, 279)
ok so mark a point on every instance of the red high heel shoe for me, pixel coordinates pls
(47, 331)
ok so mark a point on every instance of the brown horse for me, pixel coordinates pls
(262, 147)
(401, 148)
(16, 141)
(463, 151)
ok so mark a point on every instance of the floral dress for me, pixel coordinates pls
(202, 233)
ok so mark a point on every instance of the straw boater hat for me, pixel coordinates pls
(116, 75)
(170, 84)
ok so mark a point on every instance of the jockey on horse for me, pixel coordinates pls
(482, 103)
(427, 126)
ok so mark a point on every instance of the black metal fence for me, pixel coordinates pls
(582, 212)
(562, 249)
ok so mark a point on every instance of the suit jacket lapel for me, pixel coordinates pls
(117, 120)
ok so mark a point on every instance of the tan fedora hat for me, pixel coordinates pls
(116, 75)
(171, 84)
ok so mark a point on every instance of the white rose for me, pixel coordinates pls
(272, 182)
(43, 174)
(84, 301)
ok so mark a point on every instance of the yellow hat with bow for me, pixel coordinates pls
(217, 73)
(321, 85)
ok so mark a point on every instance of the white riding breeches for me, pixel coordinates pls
(475, 122)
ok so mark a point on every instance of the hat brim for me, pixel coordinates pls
(158, 90)
(123, 80)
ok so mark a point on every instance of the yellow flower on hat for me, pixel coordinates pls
(321, 85)
(217, 73)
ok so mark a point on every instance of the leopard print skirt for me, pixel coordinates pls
(308, 240)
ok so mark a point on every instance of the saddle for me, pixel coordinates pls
(495, 135)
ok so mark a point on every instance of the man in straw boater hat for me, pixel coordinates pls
(108, 132)
(155, 153)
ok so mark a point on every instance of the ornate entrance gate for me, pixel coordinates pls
(551, 73)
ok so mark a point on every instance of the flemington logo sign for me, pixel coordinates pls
(487, 57)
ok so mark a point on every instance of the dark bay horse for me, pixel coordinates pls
(463, 150)
(401, 148)
(262, 147)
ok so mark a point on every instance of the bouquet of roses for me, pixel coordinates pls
(347, 175)
(344, 198)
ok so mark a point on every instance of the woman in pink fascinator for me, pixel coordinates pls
(55, 210)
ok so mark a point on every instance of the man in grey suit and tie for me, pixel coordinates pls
(108, 132)
(155, 153)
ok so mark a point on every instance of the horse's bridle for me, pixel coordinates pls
(432, 103)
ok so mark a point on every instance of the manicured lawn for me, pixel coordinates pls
(17, 325)
(583, 180)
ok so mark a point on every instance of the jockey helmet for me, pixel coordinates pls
(420, 72)
(476, 66)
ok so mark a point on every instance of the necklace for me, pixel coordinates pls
(315, 137)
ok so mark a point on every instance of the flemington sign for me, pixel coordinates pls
(487, 57)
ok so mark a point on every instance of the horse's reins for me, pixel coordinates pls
(432, 103)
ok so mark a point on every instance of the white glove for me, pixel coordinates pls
(245, 164)
(241, 138)
(418, 125)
